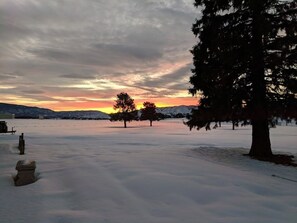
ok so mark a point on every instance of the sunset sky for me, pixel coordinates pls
(78, 54)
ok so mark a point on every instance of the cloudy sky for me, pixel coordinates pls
(78, 54)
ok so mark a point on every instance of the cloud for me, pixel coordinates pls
(174, 78)
(47, 47)
(78, 76)
(32, 92)
(8, 76)
(135, 52)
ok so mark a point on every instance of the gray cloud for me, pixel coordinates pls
(139, 52)
(78, 76)
(32, 91)
(169, 79)
(8, 76)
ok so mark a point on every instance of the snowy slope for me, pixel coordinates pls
(97, 171)
(175, 110)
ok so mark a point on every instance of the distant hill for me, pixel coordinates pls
(21, 111)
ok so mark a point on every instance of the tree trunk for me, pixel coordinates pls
(151, 123)
(261, 146)
(125, 124)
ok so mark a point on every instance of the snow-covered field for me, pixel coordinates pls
(97, 171)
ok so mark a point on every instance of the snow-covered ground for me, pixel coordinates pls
(97, 171)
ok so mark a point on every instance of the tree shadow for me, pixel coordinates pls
(280, 159)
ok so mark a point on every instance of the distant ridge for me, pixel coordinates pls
(22, 111)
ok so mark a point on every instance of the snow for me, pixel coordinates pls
(97, 171)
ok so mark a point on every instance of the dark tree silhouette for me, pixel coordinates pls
(245, 65)
(126, 109)
(149, 112)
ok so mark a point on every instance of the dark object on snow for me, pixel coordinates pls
(26, 173)
(22, 144)
(4, 128)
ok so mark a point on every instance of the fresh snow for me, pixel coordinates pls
(97, 171)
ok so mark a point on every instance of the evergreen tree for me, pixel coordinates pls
(245, 65)
(149, 112)
(126, 109)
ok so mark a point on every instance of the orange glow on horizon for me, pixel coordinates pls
(107, 107)
(104, 106)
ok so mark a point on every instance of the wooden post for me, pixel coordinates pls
(22, 147)
(22, 144)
